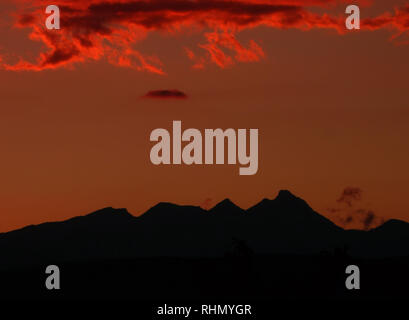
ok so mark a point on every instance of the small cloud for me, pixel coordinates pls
(368, 220)
(165, 94)
(349, 195)
(349, 219)
(349, 214)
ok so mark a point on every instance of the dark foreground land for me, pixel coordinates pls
(229, 279)
(279, 248)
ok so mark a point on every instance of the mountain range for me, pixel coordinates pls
(284, 225)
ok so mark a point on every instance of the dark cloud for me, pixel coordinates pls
(349, 214)
(368, 218)
(349, 195)
(349, 219)
(166, 94)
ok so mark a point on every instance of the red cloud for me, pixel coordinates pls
(96, 29)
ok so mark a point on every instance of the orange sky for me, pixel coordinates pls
(331, 106)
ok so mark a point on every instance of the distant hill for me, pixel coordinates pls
(284, 225)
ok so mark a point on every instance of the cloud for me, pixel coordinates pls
(109, 29)
(348, 214)
(349, 195)
(216, 41)
(165, 94)
(367, 218)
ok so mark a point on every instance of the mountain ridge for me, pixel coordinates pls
(283, 195)
(285, 224)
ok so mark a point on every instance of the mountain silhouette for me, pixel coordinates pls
(227, 208)
(284, 225)
(277, 248)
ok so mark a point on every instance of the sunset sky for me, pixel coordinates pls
(77, 105)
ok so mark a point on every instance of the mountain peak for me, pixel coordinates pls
(171, 213)
(110, 212)
(286, 195)
(226, 207)
(225, 203)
